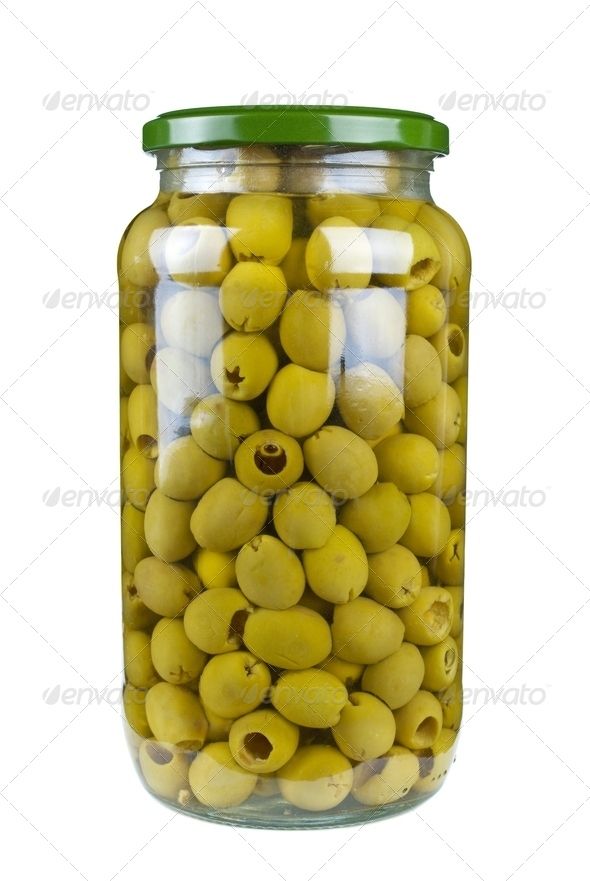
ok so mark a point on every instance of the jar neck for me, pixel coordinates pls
(301, 171)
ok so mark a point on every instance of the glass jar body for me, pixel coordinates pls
(294, 330)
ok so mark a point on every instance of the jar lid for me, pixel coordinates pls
(300, 124)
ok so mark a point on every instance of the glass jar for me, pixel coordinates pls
(294, 314)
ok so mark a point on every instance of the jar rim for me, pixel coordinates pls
(297, 124)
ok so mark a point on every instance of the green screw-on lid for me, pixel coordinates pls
(376, 127)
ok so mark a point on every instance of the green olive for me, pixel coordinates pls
(440, 664)
(184, 471)
(228, 516)
(429, 527)
(394, 577)
(134, 707)
(419, 722)
(137, 478)
(134, 301)
(293, 266)
(196, 252)
(260, 227)
(451, 345)
(242, 365)
(365, 632)
(311, 698)
(214, 620)
(136, 614)
(191, 320)
(338, 571)
(428, 620)
(456, 511)
(317, 778)
(314, 602)
(397, 678)
(456, 593)
(164, 768)
(347, 672)
(142, 415)
(219, 425)
(460, 387)
(341, 462)
(423, 374)
(426, 310)
(435, 761)
(360, 209)
(451, 478)
(179, 379)
(175, 715)
(386, 779)
(234, 684)
(174, 657)
(366, 728)
(215, 568)
(439, 419)
(449, 566)
(375, 324)
(139, 669)
(452, 705)
(218, 727)
(455, 260)
(167, 527)
(217, 780)
(379, 518)
(268, 461)
(252, 296)
(166, 589)
(392, 249)
(290, 639)
(299, 400)
(263, 741)
(338, 255)
(312, 330)
(137, 351)
(304, 516)
(270, 573)
(123, 424)
(136, 254)
(182, 206)
(133, 544)
(369, 401)
(424, 260)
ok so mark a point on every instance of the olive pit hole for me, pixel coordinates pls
(257, 746)
(423, 268)
(159, 754)
(238, 622)
(456, 342)
(270, 458)
(427, 730)
(145, 443)
(438, 615)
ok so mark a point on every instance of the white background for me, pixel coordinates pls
(518, 179)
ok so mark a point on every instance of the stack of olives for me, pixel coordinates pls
(293, 375)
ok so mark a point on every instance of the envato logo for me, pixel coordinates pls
(520, 497)
(57, 496)
(305, 98)
(60, 299)
(78, 697)
(513, 300)
(479, 101)
(115, 101)
(515, 696)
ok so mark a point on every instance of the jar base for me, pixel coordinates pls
(274, 813)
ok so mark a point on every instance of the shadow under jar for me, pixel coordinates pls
(294, 332)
